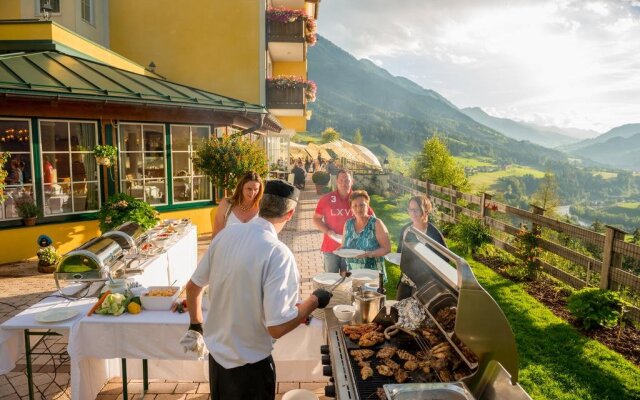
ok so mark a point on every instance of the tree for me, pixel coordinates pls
(226, 159)
(357, 136)
(547, 194)
(436, 164)
(636, 236)
(330, 135)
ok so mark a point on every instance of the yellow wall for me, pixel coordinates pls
(297, 123)
(21, 243)
(212, 45)
(9, 9)
(290, 68)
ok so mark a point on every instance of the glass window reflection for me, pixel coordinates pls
(188, 183)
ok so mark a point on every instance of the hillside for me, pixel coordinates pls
(623, 131)
(618, 151)
(398, 113)
(544, 136)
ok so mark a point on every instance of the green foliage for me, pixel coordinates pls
(436, 164)
(472, 233)
(121, 208)
(224, 160)
(3, 175)
(357, 137)
(528, 251)
(26, 207)
(547, 194)
(106, 151)
(321, 178)
(596, 307)
(48, 256)
(330, 135)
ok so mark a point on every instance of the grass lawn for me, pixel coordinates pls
(485, 180)
(606, 175)
(556, 361)
(629, 204)
(473, 162)
(305, 137)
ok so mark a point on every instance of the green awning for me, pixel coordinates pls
(52, 73)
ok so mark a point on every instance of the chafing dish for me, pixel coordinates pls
(129, 236)
(482, 361)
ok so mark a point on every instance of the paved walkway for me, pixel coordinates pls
(21, 286)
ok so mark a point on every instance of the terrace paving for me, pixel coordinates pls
(21, 286)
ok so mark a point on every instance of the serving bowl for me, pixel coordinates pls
(159, 298)
(344, 312)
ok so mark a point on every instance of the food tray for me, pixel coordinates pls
(159, 303)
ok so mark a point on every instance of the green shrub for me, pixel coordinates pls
(121, 208)
(3, 175)
(48, 256)
(472, 233)
(321, 178)
(595, 307)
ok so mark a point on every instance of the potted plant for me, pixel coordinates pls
(27, 209)
(47, 259)
(284, 15)
(121, 208)
(321, 179)
(293, 81)
(105, 154)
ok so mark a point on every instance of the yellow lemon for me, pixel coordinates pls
(134, 308)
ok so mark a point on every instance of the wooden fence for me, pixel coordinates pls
(609, 268)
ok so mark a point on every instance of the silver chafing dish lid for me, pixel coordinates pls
(128, 235)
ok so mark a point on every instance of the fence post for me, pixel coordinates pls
(427, 190)
(535, 228)
(454, 201)
(610, 259)
(483, 206)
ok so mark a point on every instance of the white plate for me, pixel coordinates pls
(348, 253)
(393, 258)
(56, 315)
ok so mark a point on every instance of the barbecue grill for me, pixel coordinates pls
(481, 359)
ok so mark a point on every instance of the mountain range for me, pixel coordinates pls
(395, 112)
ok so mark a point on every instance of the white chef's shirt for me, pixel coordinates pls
(253, 284)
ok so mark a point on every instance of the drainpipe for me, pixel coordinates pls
(254, 128)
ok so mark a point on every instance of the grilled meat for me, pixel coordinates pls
(359, 329)
(384, 370)
(366, 372)
(425, 366)
(391, 364)
(439, 363)
(411, 365)
(371, 339)
(401, 375)
(405, 355)
(445, 375)
(381, 394)
(361, 354)
(447, 318)
(386, 352)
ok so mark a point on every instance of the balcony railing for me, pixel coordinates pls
(292, 32)
(289, 98)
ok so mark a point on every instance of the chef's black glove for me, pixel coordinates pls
(323, 296)
(196, 327)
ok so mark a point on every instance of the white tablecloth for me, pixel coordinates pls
(176, 264)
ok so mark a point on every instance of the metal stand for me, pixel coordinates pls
(145, 378)
(29, 351)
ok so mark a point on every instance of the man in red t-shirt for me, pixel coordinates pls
(332, 211)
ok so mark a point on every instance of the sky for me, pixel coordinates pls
(566, 63)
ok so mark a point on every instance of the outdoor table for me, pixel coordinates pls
(176, 264)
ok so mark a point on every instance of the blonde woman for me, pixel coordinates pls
(242, 206)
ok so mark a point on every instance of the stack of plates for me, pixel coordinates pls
(362, 276)
(341, 294)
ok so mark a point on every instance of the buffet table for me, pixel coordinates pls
(176, 264)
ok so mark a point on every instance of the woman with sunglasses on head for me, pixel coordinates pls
(419, 209)
(242, 206)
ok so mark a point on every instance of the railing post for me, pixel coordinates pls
(454, 201)
(427, 189)
(610, 259)
(483, 205)
(535, 228)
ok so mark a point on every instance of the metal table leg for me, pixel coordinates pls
(125, 395)
(29, 351)
(145, 377)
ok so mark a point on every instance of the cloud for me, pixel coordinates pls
(556, 59)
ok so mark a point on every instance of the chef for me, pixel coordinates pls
(253, 284)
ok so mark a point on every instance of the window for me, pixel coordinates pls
(86, 10)
(55, 6)
(189, 184)
(15, 137)
(143, 162)
(70, 178)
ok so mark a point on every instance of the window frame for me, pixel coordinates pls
(39, 4)
(122, 152)
(42, 153)
(33, 171)
(190, 152)
(91, 4)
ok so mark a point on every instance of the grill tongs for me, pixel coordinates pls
(345, 275)
(410, 317)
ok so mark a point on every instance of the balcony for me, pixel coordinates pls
(287, 42)
(286, 101)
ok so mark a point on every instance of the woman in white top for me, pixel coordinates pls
(242, 206)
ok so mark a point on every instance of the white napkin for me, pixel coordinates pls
(334, 236)
(194, 342)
